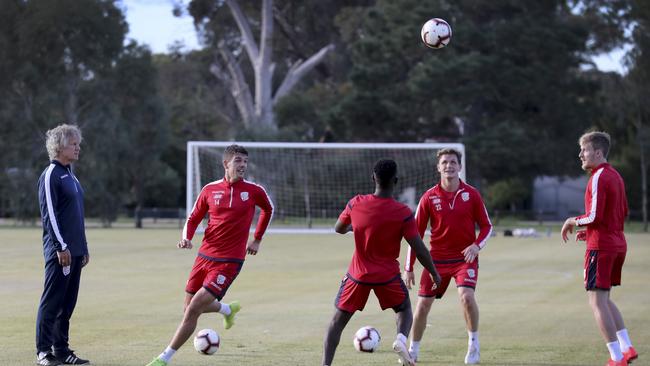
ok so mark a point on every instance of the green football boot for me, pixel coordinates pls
(157, 362)
(229, 320)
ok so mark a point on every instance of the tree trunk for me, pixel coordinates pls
(264, 70)
(259, 114)
(71, 105)
(644, 176)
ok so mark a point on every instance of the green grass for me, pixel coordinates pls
(533, 307)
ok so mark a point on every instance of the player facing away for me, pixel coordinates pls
(230, 203)
(453, 208)
(604, 217)
(379, 223)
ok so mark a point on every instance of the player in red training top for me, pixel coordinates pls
(379, 223)
(605, 213)
(230, 204)
(453, 208)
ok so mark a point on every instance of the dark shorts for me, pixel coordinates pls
(602, 269)
(464, 274)
(353, 294)
(214, 276)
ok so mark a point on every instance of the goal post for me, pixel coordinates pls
(310, 183)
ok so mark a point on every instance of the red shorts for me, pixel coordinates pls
(464, 274)
(353, 294)
(212, 275)
(603, 269)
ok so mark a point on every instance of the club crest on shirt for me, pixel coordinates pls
(471, 273)
(244, 196)
(464, 196)
(217, 196)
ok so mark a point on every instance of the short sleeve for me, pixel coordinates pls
(346, 216)
(410, 228)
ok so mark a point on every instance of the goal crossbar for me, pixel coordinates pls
(311, 182)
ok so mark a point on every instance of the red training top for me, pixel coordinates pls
(606, 210)
(453, 217)
(379, 225)
(231, 208)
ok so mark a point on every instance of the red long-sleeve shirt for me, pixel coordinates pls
(231, 207)
(453, 217)
(605, 210)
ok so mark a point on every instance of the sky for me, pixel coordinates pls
(151, 22)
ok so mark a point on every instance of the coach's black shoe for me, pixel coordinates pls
(47, 359)
(71, 359)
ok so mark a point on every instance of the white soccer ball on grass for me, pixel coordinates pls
(207, 341)
(366, 339)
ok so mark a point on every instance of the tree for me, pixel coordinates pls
(639, 78)
(144, 127)
(50, 51)
(511, 77)
(74, 40)
(255, 106)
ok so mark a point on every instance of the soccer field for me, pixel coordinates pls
(533, 307)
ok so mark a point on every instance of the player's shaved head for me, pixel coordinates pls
(385, 172)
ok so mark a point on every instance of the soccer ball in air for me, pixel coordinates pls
(366, 339)
(207, 341)
(436, 33)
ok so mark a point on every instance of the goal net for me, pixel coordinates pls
(310, 183)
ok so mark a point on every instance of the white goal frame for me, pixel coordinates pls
(194, 185)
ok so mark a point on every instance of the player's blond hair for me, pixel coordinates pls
(57, 138)
(449, 151)
(599, 141)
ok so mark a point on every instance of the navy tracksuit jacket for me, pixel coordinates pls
(62, 211)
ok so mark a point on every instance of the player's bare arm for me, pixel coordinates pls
(342, 228)
(424, 257)
(471, 253)
(567, 228)
(184, 244)
(253, 247)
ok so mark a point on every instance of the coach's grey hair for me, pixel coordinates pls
(57, 138)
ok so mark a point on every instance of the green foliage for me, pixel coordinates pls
(510, 75)
(507, 193)
(515, 78)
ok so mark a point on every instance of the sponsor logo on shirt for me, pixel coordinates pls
(436, 200)
(244, 196)
(64, 176)
(464, 196)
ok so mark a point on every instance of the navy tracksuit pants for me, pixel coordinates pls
(57, 304)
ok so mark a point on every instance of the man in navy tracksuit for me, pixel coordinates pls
(64, 246)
